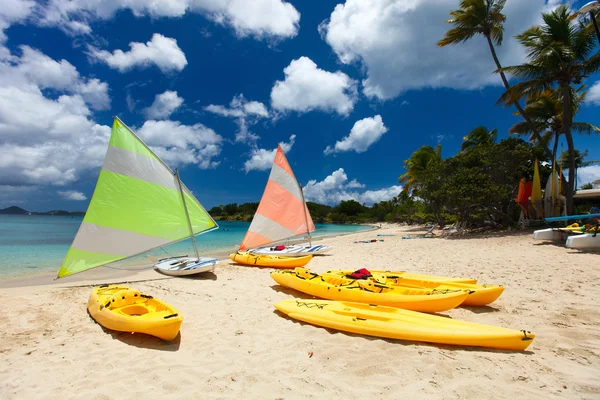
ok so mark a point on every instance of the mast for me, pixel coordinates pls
(187, 214)
(305, 216)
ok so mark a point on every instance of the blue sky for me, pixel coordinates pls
(350, 89)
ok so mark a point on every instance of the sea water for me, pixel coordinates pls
(34, 244)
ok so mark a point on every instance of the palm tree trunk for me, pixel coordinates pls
(507, 87)
(567, 122)
(555, 148)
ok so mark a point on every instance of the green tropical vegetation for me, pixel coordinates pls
(560, 55)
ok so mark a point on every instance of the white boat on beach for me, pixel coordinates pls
(551, 234)
(182, 266)
(588, 241)
(296, 250)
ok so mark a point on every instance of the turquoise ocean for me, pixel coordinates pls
(35, 244)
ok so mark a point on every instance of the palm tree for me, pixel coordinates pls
(482, 17)
(478, 137)
(417, 164)
(558, 52)
(545, 109)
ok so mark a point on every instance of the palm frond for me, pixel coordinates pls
(584, 128)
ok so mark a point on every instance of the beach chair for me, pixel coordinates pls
(428, 234)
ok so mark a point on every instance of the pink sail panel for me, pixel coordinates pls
(282, 212)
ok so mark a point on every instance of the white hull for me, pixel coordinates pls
(550, 234)
(584, 242)
(293, 251)
(182, 266)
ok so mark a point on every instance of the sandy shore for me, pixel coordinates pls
(234, 345)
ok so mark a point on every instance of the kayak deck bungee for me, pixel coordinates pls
(394, 323)
(479, 295)
(255, 260)
(124, 309)
(331, 288)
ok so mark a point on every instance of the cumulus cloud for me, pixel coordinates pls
(37, 69)
(160, 51)
(307, 87)
(262, 159)
(363, 134)
(588, 174)
(164, 105)
(72, 195)
(11, 12)
(262, 19)
(593, 95)
(48, 140)
(184, 144)
(335, 188)
(245, 112)
(394, 42)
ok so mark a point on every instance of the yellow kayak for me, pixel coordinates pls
(369, 291)
(393, 323)
(412, 275)
(254, 260)
(125, 309)
(479, 295)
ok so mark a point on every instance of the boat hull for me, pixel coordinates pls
(252, 260)
(292, 251)
(393, 323)
(183, 266)
(584, 242)
(124, 309)
(369, 292)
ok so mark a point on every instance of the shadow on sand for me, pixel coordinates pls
(144, 341)
(203, 276)
(292, 292)
(480, 309)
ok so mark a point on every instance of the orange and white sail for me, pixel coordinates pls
(282, 212)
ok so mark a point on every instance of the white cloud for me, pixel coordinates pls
(334, 188)
(245, 112)
(363, 134)
(307, 87)
(95, 93)
(160, 51)
(395, 43)
(184, 144)
(72, 195)
(588, 174)
(164, 105)
(593, 95)
(257, 18)
(48, 140)
(262, 159)
(13, 11)
(35, 68)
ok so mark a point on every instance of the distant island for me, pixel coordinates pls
(14, 210)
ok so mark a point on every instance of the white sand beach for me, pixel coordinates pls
(234, 345)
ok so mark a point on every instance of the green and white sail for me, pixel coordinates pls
(137, 206)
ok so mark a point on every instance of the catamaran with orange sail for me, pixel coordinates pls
(282, 214)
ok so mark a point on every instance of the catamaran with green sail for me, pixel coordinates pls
(139, 204)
